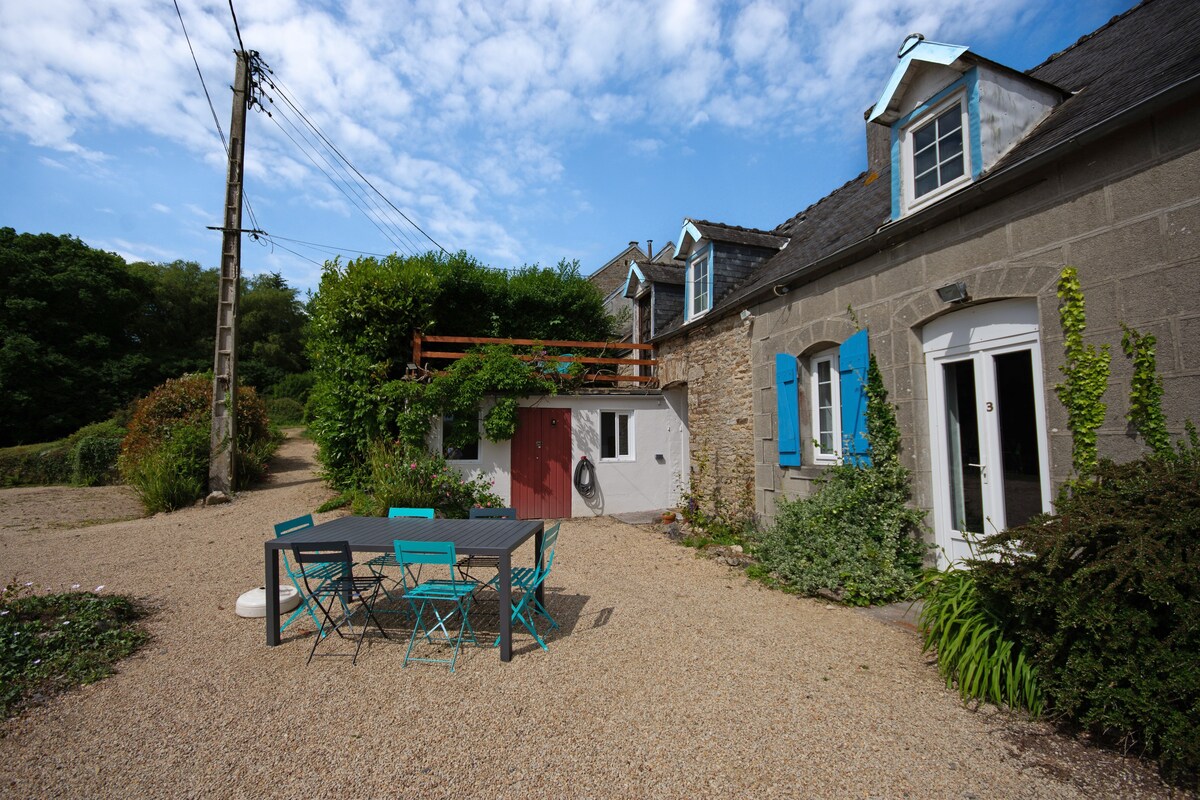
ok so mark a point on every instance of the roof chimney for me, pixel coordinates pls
(650, 249)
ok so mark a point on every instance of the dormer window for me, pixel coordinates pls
(938, 151)
(934, 155)
(699, 282)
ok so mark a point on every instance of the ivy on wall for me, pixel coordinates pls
(1145, 391)
(1085, 375)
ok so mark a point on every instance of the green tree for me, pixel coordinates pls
(360, 341)
(271, 328)
(68, 353)
(177, 321)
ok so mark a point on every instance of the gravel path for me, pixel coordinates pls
(672, 676)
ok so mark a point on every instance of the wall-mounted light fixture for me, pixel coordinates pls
(745, 316)
(953, 292)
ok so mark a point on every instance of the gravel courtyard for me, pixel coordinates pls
(672, 676)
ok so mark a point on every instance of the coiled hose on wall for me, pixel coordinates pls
(585, 478)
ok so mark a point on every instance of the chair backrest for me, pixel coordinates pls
(492, 513)
(321, 553)
(293, 525)
(410, 553)
(418, 513)
(549, 540)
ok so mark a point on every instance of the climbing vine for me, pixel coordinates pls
(1086, 375)
(1146, 391)
(459, 391)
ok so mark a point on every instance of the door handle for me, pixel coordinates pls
(982, 470)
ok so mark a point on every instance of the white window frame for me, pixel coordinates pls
(701, 255)
(911, 201)
(829, 357)
(629, 454)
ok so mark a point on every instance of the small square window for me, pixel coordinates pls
(616, 436)
(937, 151)
(468, 451)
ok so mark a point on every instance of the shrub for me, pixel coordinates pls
(409, 476)
(35, 464)
(165, 454)
(855, 536)
(285, 411)
(1107, 596)
(94, 453)
(54, 642)
(973, 651)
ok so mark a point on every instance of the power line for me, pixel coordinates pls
(211, 108)
(236, 29)
(277, 84)
(330, 248)
(207, 96)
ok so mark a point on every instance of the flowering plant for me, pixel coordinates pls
(406, 476)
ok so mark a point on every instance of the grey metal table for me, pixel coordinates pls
(471, 537)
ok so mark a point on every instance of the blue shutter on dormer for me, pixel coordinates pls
(788, 408)
(853, 361)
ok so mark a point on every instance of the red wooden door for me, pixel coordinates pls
(541, 463)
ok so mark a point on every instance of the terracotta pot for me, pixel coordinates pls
(668, 517)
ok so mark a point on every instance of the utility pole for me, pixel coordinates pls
(223, 441)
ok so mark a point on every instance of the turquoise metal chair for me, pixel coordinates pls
(528, 580)
(317, 572)
(454, 594)
(386, 561)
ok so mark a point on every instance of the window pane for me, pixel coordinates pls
(952, 169)
(608, 438)
(923, 137)
(950, 146)
(950, 120)
(924, 161)
(927, 183)
(465, 452)
(826, 436)
(623, 434)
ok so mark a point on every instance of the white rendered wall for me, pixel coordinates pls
(650, 481)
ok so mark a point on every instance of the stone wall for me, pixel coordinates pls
(1125, 212)
(714, 363)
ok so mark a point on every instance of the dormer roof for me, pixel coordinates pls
(695, 230)
(918, 55)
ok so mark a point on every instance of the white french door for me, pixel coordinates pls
(987, 423)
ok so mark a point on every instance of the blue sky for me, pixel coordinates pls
(522, 132)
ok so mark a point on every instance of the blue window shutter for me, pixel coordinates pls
(788, 407)
(853, 360)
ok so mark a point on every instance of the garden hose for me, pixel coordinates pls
(585, 478)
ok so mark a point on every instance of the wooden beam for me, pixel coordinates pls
(546, 342)
(632, 362)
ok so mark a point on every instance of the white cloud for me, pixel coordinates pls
(456, 108)
(162, 209)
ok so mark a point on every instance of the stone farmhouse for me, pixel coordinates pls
(942, 259)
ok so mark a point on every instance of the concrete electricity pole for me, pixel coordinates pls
(222, 443)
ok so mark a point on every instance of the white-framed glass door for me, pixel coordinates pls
(987, 423)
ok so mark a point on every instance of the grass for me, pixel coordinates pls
(54, 642)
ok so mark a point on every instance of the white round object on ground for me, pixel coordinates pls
(254, 602)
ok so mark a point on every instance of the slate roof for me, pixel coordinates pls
(663, 273)
(1136, 55)
(719, 232)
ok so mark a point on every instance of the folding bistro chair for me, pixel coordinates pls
(469, 563)
(296, 574)
(454, 594)
(342, 591)
(528, 580)
(378, 564)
